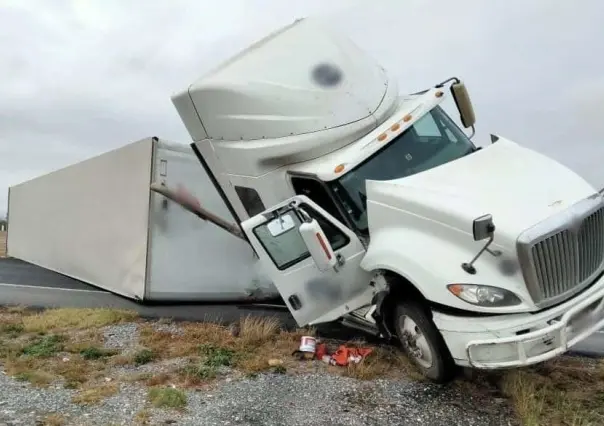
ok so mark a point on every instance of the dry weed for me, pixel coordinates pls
(382, 362)
(53, 419)
(566, 391)
(167, 398)
(75, 318)
(143, 417)
(254, 331)
(94, 395)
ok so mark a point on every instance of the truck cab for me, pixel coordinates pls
(376, 209)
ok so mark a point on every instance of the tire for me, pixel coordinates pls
(429, 353)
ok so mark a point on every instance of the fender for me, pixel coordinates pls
(429, 262)
(385, 254)
(394, 287)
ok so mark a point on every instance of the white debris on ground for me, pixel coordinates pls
(267, 399)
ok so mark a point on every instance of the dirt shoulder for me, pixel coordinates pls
(100, 366)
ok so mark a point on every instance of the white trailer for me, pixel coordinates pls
(99, 222)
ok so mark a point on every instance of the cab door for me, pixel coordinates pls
(313, 294)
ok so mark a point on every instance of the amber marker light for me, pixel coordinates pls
(456, 289)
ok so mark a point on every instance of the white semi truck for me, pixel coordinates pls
(376, 209)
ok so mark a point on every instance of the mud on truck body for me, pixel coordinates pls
(376, 209)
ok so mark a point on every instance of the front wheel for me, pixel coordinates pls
(423, 343)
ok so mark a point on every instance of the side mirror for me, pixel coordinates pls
(483, 227)
(463, 103)
(318, 245)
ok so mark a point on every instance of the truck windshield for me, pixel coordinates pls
(433, 140)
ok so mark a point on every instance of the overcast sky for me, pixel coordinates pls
(81, 77)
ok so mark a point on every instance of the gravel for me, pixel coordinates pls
(270, 399)
(122, 336)
(311, 398)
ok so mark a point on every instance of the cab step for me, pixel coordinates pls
(361, 324)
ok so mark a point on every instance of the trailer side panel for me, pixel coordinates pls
(88, 220)
(191, 259)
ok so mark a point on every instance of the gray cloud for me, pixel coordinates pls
(82, 77)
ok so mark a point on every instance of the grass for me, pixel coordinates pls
(67, 345)
(75, 318)
(143, 417)
(44, 346)
(96, 394)
(35, 377)
(257, 331)
(12, 330)
(53, 419)
(207, 368)
(93, 352)
(167, 398)
(217, 356)
(144, 356)
(194, 374)
(565, 391)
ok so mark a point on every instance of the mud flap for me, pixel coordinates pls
(378, 315)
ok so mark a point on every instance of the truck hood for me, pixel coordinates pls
(518, 186)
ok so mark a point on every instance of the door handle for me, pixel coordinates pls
(340, 261)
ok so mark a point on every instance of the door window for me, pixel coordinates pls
(288, 248)
(317, 192)
(250, 199)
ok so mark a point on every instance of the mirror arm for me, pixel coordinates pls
(469, 267)
(439, 85)
(305, 216)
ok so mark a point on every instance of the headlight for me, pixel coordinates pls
(484, 295)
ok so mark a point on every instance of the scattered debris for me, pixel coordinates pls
(342, 356)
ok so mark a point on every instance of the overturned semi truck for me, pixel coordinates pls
(362, 204)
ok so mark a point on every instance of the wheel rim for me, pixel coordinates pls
(415, 342)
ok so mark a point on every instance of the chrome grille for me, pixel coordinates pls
(556, 264)
(591, 244)
(562, 255)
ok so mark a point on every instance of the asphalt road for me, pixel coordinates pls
(22, 283)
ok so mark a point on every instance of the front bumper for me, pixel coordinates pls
(503, 341)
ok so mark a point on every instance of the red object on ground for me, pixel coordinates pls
(321, 351)
(343, 356)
